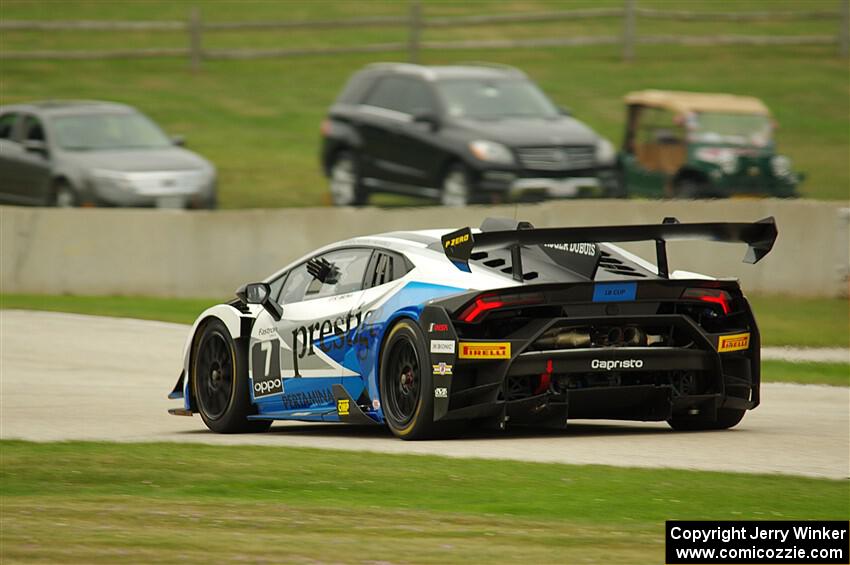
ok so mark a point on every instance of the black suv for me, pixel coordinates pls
(460, 134)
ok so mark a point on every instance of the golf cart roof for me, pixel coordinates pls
(685, 102)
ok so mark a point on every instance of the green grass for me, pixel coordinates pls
(178, 310)
(259, 120)
(91, 502)
(805, 322)
(835, 374)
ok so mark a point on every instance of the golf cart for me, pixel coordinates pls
(699, 145)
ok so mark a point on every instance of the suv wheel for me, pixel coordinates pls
(346, 189)
(689, 188)
(456, 189)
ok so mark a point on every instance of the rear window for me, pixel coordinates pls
(355, 88)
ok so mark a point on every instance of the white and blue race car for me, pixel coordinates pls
(505, 324)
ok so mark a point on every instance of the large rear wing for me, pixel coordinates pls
(759, 237)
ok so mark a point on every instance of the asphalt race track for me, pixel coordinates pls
(73, 377)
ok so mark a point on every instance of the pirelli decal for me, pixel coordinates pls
(734, 342)
(485, 350)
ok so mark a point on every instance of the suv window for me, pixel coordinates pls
(402, 94)
(349, 267)
(355, 88)
(7, 124)
(33, 130)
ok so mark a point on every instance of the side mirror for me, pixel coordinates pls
(178, 140)
(260, 293)
(427, 117)
(36, 146)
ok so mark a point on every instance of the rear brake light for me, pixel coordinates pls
(710, 295)
(485, 303)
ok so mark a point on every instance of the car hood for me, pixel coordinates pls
(531, 131)
(136, 160)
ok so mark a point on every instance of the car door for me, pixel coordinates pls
(379, 300)
(9, 150)
(29, 170)
(294, 362)
(379, 124)
(415, 148)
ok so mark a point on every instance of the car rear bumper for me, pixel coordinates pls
(527, 385)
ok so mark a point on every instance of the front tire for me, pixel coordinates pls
(345, 182)
(407, 390)
(220, 382)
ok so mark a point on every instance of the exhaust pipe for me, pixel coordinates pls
(634, 336)
(571, 338)
(615, 336)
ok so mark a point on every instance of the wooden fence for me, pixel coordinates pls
(417, 24)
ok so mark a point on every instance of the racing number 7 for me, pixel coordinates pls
(266, 354)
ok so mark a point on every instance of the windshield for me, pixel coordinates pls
(494, 99)
(93, 132)
(739, 129)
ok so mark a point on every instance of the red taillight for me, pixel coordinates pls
(489, 302)
(711, 295)
(482, 304)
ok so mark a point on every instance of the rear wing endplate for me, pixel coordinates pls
(759, 237)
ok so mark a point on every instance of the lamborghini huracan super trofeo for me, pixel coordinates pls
(502, 325)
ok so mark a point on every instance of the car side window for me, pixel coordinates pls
(386, 267)
(33, 130)
(401, 94)
(7, 125)
(388, 93)
(348, 270)
(417, 98)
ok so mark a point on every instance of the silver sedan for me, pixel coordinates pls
(79, 153)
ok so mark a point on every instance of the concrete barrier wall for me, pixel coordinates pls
(208, 254)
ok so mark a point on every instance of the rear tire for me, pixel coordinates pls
(457, 189)
(407, 390)
(345, 183)
(220, 382)
(726, 418)
(690, 189)
(63, 195)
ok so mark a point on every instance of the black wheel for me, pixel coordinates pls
(407, 391)
(615, 187)
(220, 382)
(63, 195)
(345, 183)
(726, 418)
(691, 189)
(457, 189)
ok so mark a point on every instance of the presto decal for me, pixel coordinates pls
(333, 334)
